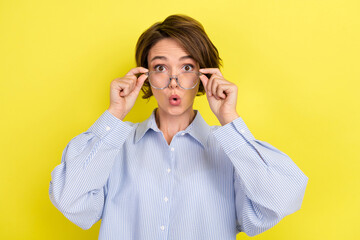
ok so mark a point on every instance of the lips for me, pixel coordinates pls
(174, 100)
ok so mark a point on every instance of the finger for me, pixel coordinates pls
(215, 80)
(131, 80)
(137, 70)
(140, 82)
(211, 71)
(221, 90)
(208, 86)
(125, 88)
(204, 81)
(127, 84)
(231, 92)
(214, 87)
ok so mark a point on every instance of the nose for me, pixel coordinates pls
(173, 82)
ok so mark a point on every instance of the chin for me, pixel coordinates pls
(176, 110)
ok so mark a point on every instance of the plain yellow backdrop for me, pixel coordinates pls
(296, 63)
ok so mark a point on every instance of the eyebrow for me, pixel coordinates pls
(164, 58)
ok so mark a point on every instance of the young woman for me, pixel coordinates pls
(173, 176)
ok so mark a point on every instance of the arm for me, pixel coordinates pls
(268, 184)
(78, 184)
(77, 187)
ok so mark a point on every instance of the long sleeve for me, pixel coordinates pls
(268, 184)
(77, 186)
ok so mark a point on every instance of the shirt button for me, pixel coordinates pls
(168, 170)
(162, 228)
(108, 128)
(242, 130)
(172, 149)
(166, 199)
(182, 134)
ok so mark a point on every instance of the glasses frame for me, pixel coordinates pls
(173, 77)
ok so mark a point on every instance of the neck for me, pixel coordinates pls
(169, 125)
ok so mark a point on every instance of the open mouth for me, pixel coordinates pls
(174, 100)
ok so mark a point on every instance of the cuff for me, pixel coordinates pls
(111, 129)
(232, 135)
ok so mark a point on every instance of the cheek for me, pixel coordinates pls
(192, 94)
(158, 95)
(195, 90)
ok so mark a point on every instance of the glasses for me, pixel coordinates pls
(162, 80)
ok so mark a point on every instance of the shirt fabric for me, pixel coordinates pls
(210, 183)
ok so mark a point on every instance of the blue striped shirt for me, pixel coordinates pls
(210, 183)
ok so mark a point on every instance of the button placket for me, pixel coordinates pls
(169, 182)
(168, 170)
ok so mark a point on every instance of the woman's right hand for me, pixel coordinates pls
(124, 91)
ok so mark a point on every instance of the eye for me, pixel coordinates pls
(188, 67)
(160, 68)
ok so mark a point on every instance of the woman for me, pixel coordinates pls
(173, 176)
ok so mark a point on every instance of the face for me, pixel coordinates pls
(169, 56)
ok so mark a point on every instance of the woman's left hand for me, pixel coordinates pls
(221, 95)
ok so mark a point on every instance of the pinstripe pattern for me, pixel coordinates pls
(209, 183)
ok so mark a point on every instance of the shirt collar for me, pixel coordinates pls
(144, 126)
(198, 129)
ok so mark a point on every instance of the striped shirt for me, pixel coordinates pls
(211, 182)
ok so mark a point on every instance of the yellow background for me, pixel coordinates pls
(296, 63)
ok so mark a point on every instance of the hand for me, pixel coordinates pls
(221, 95)
(124, 91)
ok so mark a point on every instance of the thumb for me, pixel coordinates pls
(204, 80)
(140, 82)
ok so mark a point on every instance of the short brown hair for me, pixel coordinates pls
(191, 36)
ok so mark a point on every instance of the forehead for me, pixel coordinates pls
(168, 48)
